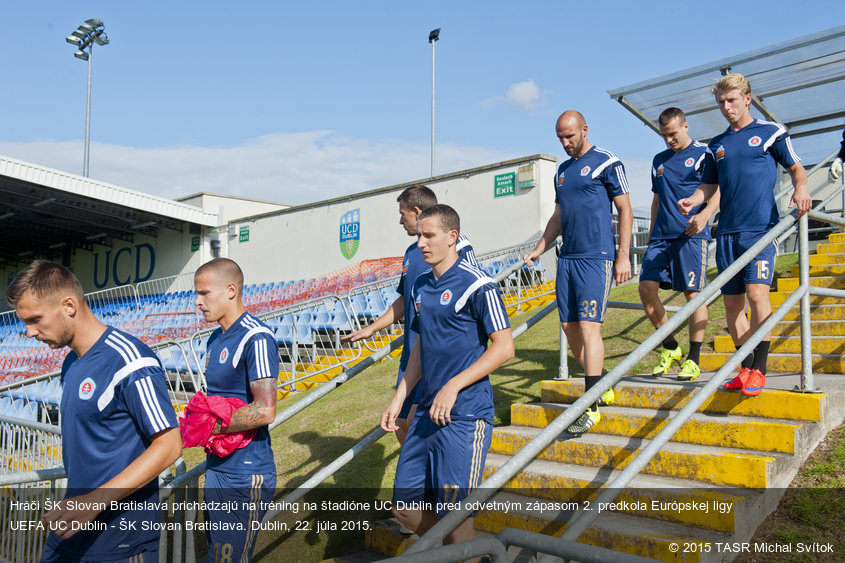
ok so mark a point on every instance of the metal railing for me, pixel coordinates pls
(190, 479)
(29, 452)
(802, 294)
(169, 284)
(189, 482)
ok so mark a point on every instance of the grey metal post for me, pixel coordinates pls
(610, 492)
(88, 113)
(563, 367)
(806, 383)
(545, 437)
(432, 105)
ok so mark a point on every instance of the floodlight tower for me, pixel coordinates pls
(90, 32)
(433, 36)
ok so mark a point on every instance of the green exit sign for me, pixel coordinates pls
(243, 235)
(504, 185)
(195, 244)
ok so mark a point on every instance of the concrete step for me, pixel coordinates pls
(822, 363)
(781, 345)
(791, 284)
(822, 270)
(777, 299)
(727, 430)
(828, 258)
(384, 538)
(817, 328)
(831, 248)
(818, 313)
(836, 238)
(726, 466)
(773, 403)
(567, 483)
(613, 530)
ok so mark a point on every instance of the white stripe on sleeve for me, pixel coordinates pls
(151, 408)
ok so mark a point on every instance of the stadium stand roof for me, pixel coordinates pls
(798, 83)
(45, 212)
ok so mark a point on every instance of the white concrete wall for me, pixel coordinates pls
(230, 208)
(304, 242)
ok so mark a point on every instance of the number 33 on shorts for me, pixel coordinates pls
(589, 309)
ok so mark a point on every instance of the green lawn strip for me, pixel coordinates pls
(318, 435)
(812, 511)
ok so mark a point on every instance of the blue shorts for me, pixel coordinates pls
(761, 269)
(244, 498)
(441, 465)
(682, 262)
(582, 287)
(411, 399)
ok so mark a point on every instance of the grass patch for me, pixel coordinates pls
(318, 435)
(812, 510)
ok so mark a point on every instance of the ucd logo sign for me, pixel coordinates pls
(350, 233)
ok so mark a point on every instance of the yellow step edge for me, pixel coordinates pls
(831, 248)
(820, 328)
(836, 238)
(781, 345)
(750, 435)
(654, 546)
(384, 537)
(818, 313)
(821, 270)
(777, 299)
(822, 259)
(772, 403)
(567, 490)
(791, 284)
(736, 469)
(822, 363)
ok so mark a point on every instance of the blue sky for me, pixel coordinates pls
(299, 101)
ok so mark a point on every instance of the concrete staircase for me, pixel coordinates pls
(713, 484)
(827, 269)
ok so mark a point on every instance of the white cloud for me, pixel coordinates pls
(525, 95)
(290, 168)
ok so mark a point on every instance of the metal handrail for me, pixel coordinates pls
(377, 433)
(317, 394)
(493, 483)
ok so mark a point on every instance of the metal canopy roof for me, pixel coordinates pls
(47, 213)
(800, 83)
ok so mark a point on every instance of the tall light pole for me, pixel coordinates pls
(90, 32)
(433, 36)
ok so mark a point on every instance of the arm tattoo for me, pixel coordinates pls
(262, 405)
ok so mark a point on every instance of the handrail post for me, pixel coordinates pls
(807, 383)
(563, 366)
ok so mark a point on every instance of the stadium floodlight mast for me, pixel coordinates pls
(90, 32)
(433, 36)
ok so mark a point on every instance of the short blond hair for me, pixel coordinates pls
(732, 81)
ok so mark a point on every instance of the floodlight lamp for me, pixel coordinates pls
(79, 34)
(81, 55)
(434, 35)
(85, 28)
(74, 41)
(100, 38)
(95, 22)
